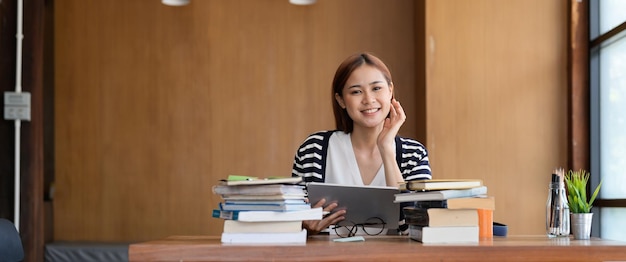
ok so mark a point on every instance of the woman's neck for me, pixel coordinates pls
(365, 138)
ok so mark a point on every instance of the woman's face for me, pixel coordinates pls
(366, 96)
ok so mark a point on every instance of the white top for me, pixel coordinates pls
(341, 165)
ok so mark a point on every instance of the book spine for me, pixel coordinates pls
(476, 191)
(415, 232)
(485, 223)
(431, 204)
(265, 207)
(224, 214)
(416, 216)
(265, 238)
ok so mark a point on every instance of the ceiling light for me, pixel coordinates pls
(302, 2)
(175, 2)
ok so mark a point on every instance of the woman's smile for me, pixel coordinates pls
(370, 111)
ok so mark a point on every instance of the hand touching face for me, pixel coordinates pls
(391, 126)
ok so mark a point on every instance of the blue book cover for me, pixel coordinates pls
(259, 216)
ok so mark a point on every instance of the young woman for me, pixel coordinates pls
(365, 149)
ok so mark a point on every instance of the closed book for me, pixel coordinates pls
(440, 194)
(233, 205)
(485, 223)
(472, 202)
(273, 189)
(264, 197)
(480, 202)
(441, 184)
(259, 216)
(436, 217)
(261, 181)
(267, 202)
(234, 226)
(431, 204)
(444, 235)
(265, 238)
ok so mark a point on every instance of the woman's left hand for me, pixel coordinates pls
(392, 125)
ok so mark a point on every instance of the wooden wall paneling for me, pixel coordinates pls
(76, 120)
(32, 144)
(496, 94)
(420, 72)
(155, 104)
(48, 118)
(136, 156)
(31, 165)
(578, 85)
(341, 28)
(8, 30)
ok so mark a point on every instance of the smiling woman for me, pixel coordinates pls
(365, 149)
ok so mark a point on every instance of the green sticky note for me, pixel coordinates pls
(240, 178)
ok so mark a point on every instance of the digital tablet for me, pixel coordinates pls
(362, 203)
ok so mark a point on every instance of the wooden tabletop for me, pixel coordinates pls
(381, 248)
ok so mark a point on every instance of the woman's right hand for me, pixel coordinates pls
(315, 226)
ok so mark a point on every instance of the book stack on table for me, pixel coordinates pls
(263, 211)
(448, 211)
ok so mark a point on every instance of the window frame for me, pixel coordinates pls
(591, 22)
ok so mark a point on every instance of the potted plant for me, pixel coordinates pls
(579, 205)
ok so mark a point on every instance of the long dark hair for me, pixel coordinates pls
(345, 69)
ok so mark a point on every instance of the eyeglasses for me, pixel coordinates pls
(372, 226)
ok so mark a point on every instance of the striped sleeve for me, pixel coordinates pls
(413, 159)
(309, 161)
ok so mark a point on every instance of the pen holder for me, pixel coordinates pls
(557, 210)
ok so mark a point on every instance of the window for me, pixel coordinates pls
(607, 66)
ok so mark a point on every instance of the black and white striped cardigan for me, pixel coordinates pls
(310, 159)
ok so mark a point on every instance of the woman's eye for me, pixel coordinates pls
(376, 88)
(355, 92)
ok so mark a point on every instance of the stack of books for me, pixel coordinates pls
(263, 211)
(448, 211)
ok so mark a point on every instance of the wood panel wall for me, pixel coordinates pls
(31, 164)
(497, 99)
(154, 104)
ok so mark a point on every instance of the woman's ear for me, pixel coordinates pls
(340, 101)
(391, 90)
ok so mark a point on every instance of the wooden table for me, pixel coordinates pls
(381, 248)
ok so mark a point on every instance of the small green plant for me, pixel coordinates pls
(576, 182)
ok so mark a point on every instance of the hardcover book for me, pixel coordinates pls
(259, 216)
(234, 226)
(440, 184)
(244, 180)
(480, 202)
(263, 206)
(440, 194)
(264, 197)
(436, 217)
(265, 238)
(443, 235)
(271, 189)
(472, 202)
(485, 223)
